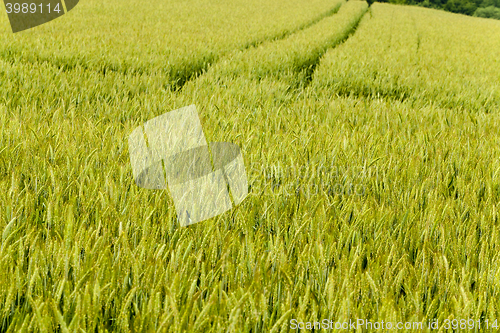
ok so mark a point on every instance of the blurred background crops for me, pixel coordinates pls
(370, 138)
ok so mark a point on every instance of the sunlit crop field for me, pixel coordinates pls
(370, 139)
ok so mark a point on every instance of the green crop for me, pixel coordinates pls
(371, 154)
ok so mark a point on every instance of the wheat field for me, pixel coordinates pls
(370, 140)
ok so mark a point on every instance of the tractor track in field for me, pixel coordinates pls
(295, 60)
(312, 69)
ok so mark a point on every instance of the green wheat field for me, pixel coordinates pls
(371, 140)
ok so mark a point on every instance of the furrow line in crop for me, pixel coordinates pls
(293, 59)
(309, 72)
(285, 34)
(180, 81)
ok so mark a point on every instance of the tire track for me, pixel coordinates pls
(294, 59)
(309, 72)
